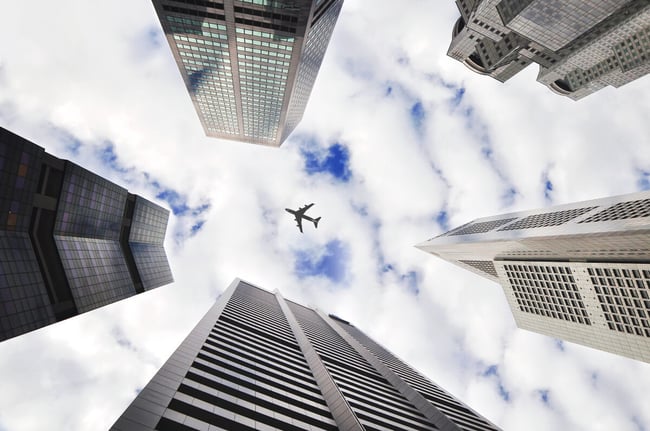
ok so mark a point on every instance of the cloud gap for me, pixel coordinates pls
(331, 264)
(492, 372)
(334, 161)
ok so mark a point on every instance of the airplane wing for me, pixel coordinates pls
(299, 222)
(304, 209)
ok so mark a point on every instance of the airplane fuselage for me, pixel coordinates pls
(299, 215)
(302, 216)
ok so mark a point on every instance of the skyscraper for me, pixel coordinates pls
(579, 272)
(249, 65)
(70, 241)
(581, 46)
(257, 361)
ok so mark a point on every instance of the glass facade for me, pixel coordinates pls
(146, 239)
(249, 65)
(259, 362)
(64, 245)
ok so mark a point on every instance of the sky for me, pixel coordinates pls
(398, 143)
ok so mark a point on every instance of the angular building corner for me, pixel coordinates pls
(70, 241)
(581, 46)
(257, 361)
(249, 65)
(579, 272)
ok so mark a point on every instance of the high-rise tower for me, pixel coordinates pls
(257, 361)
(70, 241)
(249, 65)
(581, 46)
(579, 272)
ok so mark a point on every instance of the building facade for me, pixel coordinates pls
(70, 241)
(579, 272)
(580, 46)
(249, 65)
(257, 361)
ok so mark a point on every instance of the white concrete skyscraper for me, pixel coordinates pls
(257, 361)
(579, 272)
(580, 46)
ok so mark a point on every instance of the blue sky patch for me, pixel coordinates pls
(442, 218)
(644, 180)
(411, 281)
(418, 115)
(509, 196)
(548, 186)
(109, 158)
(122, 340)
(176, 202)
(70, 142)
(638, 423)
(332, 264)
(543, 395)
(458, 96)
(335, 161)
(154, 37)
(493, 372)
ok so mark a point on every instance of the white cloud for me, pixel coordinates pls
(96, 73)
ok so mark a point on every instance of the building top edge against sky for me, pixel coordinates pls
(312, 371)
(249, 67)
(611, 214)
(581, 46)
(70, 240)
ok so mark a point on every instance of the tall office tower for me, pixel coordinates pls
(579, 272)
(257, 361)
(581, 46)
(70, 241)
(249, 65)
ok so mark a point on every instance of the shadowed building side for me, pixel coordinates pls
(62, 241)
(257, 361)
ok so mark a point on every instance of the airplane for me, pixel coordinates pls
(299, 214)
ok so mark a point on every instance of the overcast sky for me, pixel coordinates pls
(398, 143)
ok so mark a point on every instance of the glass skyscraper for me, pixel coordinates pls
(249, 65)
(257, 361)
(70, 241)
(579, 272)
(581, 46)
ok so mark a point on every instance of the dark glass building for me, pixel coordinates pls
(249, 65)
(70, 241)
(257, 361)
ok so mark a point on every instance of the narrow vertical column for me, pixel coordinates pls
(341, 411)
(146, 410)
(424, 407)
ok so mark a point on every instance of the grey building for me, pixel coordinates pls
(580, 46)
(257, 361)
(579, 272)
(249, 65)
(70, 241)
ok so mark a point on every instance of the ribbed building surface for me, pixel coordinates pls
(579, 272)
(257, 361)
(581, 46)
(249, 65)
(70, 240)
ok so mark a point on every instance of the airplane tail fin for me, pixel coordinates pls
(316, 222)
